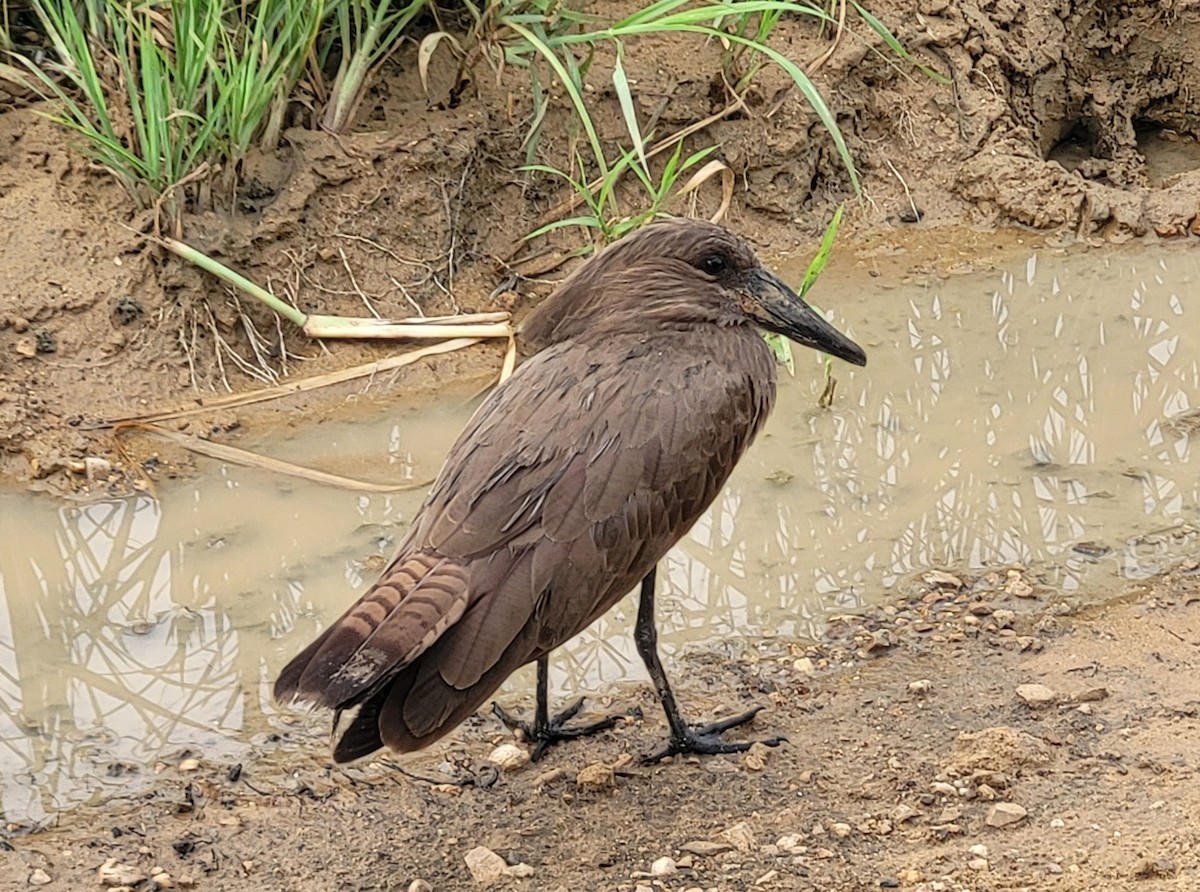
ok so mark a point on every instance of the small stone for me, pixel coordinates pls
(986, 793)
(910, 876)
(1057, 823)
(520, 871)
(596, 777)
(756, 757)
(1037, 695)
(979, 851)
(1054, 868)
(706, 849)
(1004, 619)
(113, 873)
(162, 879)
(789, 842)
(978, 864)
(944, 788)
(189, 765)
(26, 347)
(840, 829)
(920, 687)
(509, 757)
(485, 865)
(39, 877)
(663, 867)
(889, 883)
(741, 836)
(1005, 814)
(767, 877)
(805, 665)
(419, 885)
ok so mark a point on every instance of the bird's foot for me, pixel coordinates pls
(706, 740)
(556, 729)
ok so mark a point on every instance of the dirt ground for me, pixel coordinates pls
(976, 734)
(912, 759)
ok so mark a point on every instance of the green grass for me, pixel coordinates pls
(171, 96)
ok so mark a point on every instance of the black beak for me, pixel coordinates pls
(778, 308)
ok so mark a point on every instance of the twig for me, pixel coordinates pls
(912, 204)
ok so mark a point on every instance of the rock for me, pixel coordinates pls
(596, 777)
(1004, 619)
(756, 757)
(767, 877)
(663, 867)
(162, 879)
(889, 883)
(840, 830)
(26, 347)
(509, 757)
(189, 765)
(805, 665)
(706, 849)
(920, 687)
(911, 876)
(520, 871)
(1005, 814)
(979, 851)
(39, 877)
(790, 843)
(1037, 695)
(942, 579)
(741, 836)
(113, 873)
(419, 885)
(978, 864)
(485, 865)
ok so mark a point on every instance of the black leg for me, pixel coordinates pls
(703, 739)
(546, 730)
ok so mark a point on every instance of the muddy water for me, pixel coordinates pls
(1045, 414)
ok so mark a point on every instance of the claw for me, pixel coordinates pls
(706, 739)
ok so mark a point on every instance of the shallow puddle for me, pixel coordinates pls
(1043, 414)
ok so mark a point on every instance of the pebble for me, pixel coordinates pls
(756, 757)
(766, 877)
(840, 830)
(889, 883)
(910, 876)
(485, 865)
(980, 851)
(1037, 695)
(790, 843)
(663, 867)
(39, 877)
(596, 777)
(419, 885)
(509, 757)
(1005, 814)
(705, 848)
(162, 879)
(113, 873)
(978, 864)
(805, 665)
(920, 686)
(741, 836)
(189, 765)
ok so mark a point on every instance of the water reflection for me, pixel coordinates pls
(1002, 419)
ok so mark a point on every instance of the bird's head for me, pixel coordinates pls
(679, 273)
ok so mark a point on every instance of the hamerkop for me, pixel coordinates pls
(649, 379)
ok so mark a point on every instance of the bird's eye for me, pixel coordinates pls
(714, 264)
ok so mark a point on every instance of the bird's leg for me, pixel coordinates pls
(546, 730)
(703, 739)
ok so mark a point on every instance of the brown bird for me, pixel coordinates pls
(649, 380)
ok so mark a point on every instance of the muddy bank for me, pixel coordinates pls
(1071, 117)
(975, 734)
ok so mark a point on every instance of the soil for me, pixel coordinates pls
(976, 734)
(907, 740)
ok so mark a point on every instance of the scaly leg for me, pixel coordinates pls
(703, 739)
(546, 731)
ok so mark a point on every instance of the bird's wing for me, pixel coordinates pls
(574, 476)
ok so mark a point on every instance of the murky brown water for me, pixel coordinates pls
(1044, 414)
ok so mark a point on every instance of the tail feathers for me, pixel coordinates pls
(390, 626)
